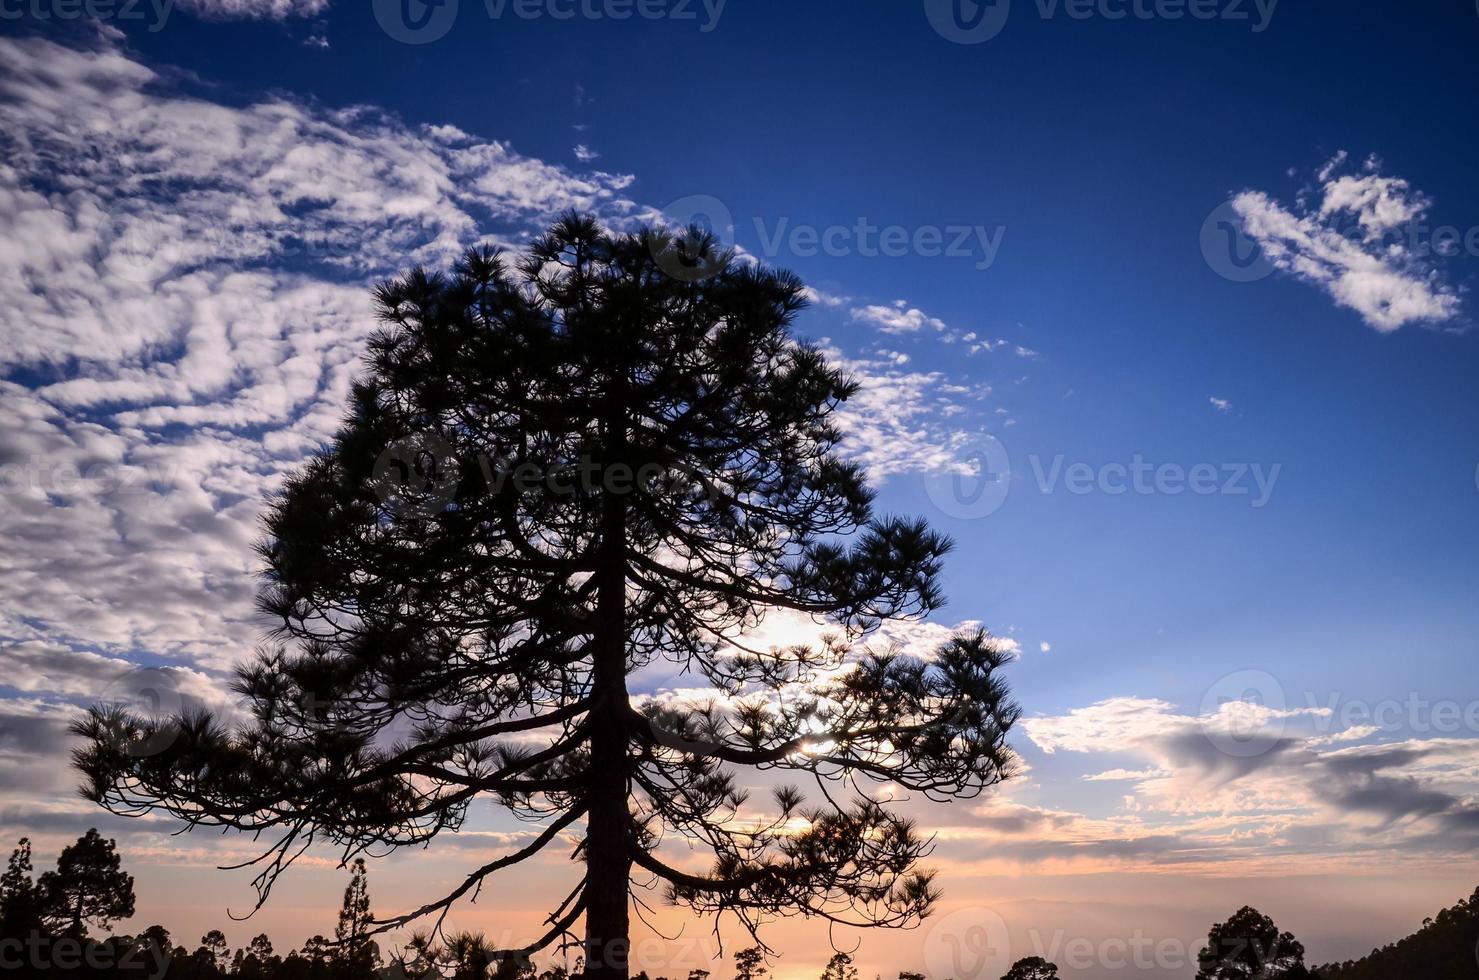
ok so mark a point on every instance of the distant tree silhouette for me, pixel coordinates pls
(1249, 946)
(1032, 968)
(513, 969)
(553, 475)
(460, 956)
(214, 949)
(20, 900)
(257, 961)
(840, 967)
(749, 964)
(356, 954)
(909, 975)
(88, 886)
(159, 937)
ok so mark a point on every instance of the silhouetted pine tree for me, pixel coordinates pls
(840, 967)
(20, 902)
(88, 885)
(1249, 946)
(592, 464)
(749, 964)
(357, 955)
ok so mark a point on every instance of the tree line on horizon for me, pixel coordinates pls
(89, 888)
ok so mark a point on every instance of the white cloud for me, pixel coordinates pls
(1275, 776)
(187, 292)
(1378, 204)
(254, 9)
(1370, 268)
(1115, 775)
(584, 153)
(821, 298)
(899, 318)
(905, 421)
(1221, 404)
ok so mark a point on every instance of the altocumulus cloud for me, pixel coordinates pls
(183, 303)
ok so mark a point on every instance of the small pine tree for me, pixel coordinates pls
(318, 951)
(840, 967)
(20, 911)
(213, 945)
(357, 956)
(749, 964)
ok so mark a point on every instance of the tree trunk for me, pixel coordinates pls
(608, 863)
(608, 833)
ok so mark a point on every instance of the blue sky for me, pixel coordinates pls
(164, 317)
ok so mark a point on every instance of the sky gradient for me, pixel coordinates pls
(1192, 294)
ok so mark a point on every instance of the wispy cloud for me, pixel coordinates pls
(1357, 244)
(1267, 781)
(254, 9)
(899, 318)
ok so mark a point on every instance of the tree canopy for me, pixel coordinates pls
(1032, 968)
(88, 886)
(1249, 946)
(555, 472)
